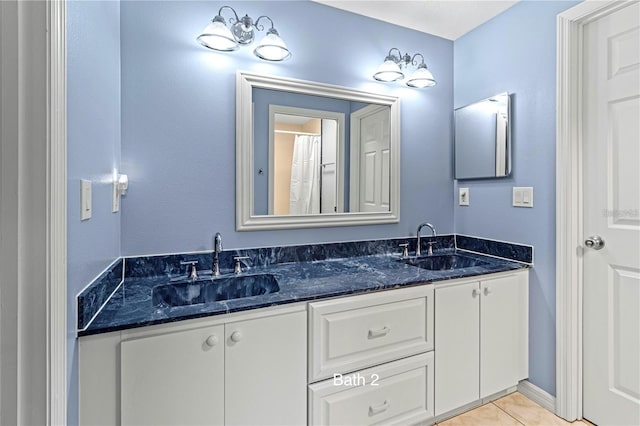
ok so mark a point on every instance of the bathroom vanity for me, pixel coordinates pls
(357, 340)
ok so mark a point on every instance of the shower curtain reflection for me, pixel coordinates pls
(304, 197)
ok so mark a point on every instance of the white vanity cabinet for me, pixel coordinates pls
(481, 338)
(173, 379)
(237, 370)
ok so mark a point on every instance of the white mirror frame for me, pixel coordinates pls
(245, 219)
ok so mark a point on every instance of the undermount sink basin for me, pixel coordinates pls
(193, 292)
(443, 262)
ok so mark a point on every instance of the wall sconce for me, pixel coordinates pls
(218, 36)
(391, 69)
(120, 186)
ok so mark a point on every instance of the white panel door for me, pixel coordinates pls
(457, 345)
(374, 162)
(266, 371)
(328, 177)
(503, 333)
(173, 379)
(611, 105)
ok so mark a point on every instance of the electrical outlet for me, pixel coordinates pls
(463, 196)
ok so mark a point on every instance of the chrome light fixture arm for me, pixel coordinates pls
(414, 62)
(219, 15)
(261, 27)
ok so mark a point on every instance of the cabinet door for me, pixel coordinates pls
(457, 345)
(174, 379)
(504, 333)
(266, 379)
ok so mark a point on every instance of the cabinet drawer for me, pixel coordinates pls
(399, 392)
(361, 331)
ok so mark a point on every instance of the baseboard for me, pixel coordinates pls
(537, 395)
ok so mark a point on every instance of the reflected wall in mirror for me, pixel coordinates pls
(483, 139)
(311, 154)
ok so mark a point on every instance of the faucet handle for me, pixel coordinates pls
(237, 265)
(431, 244)
(192, 270)
(405, 249)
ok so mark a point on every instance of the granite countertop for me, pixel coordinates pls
(131, 306)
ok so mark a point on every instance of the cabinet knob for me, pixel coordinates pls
(487, 290)
(212, 340)
(475, 292)
(236, 336)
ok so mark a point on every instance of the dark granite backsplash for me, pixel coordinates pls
(511, 251)
(169, 265)
(94, 296)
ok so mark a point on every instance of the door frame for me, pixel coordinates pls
(569, 197)
(35, 113)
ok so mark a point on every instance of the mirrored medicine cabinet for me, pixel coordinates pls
(483, 138)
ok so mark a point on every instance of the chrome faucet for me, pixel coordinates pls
(217, 248)
(433, 234)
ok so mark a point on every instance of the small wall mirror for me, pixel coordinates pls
(310, 154)
(483, 139)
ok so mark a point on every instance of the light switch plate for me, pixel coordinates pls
(85, 199)
(463, 196)
(523, 196)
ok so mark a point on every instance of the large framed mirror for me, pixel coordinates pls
(311, 154)
(483, 138)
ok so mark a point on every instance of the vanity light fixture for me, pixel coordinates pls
(391, 69)
(217, 36)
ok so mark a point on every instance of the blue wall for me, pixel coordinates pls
(93, 147)
(516, 52)
(178, 120)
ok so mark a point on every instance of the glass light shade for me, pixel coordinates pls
(272, 47)
(388, 71)
(217, 36)
(421, 77)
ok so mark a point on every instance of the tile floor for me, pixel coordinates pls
(514, 409)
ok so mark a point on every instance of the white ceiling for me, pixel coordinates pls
(445, 18)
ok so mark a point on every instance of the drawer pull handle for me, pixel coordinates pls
(379, 333)
(373, 410)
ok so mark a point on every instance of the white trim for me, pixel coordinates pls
(9, 217)
(245, 219)
(537, 395)
(56, 281)
(569, 209)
